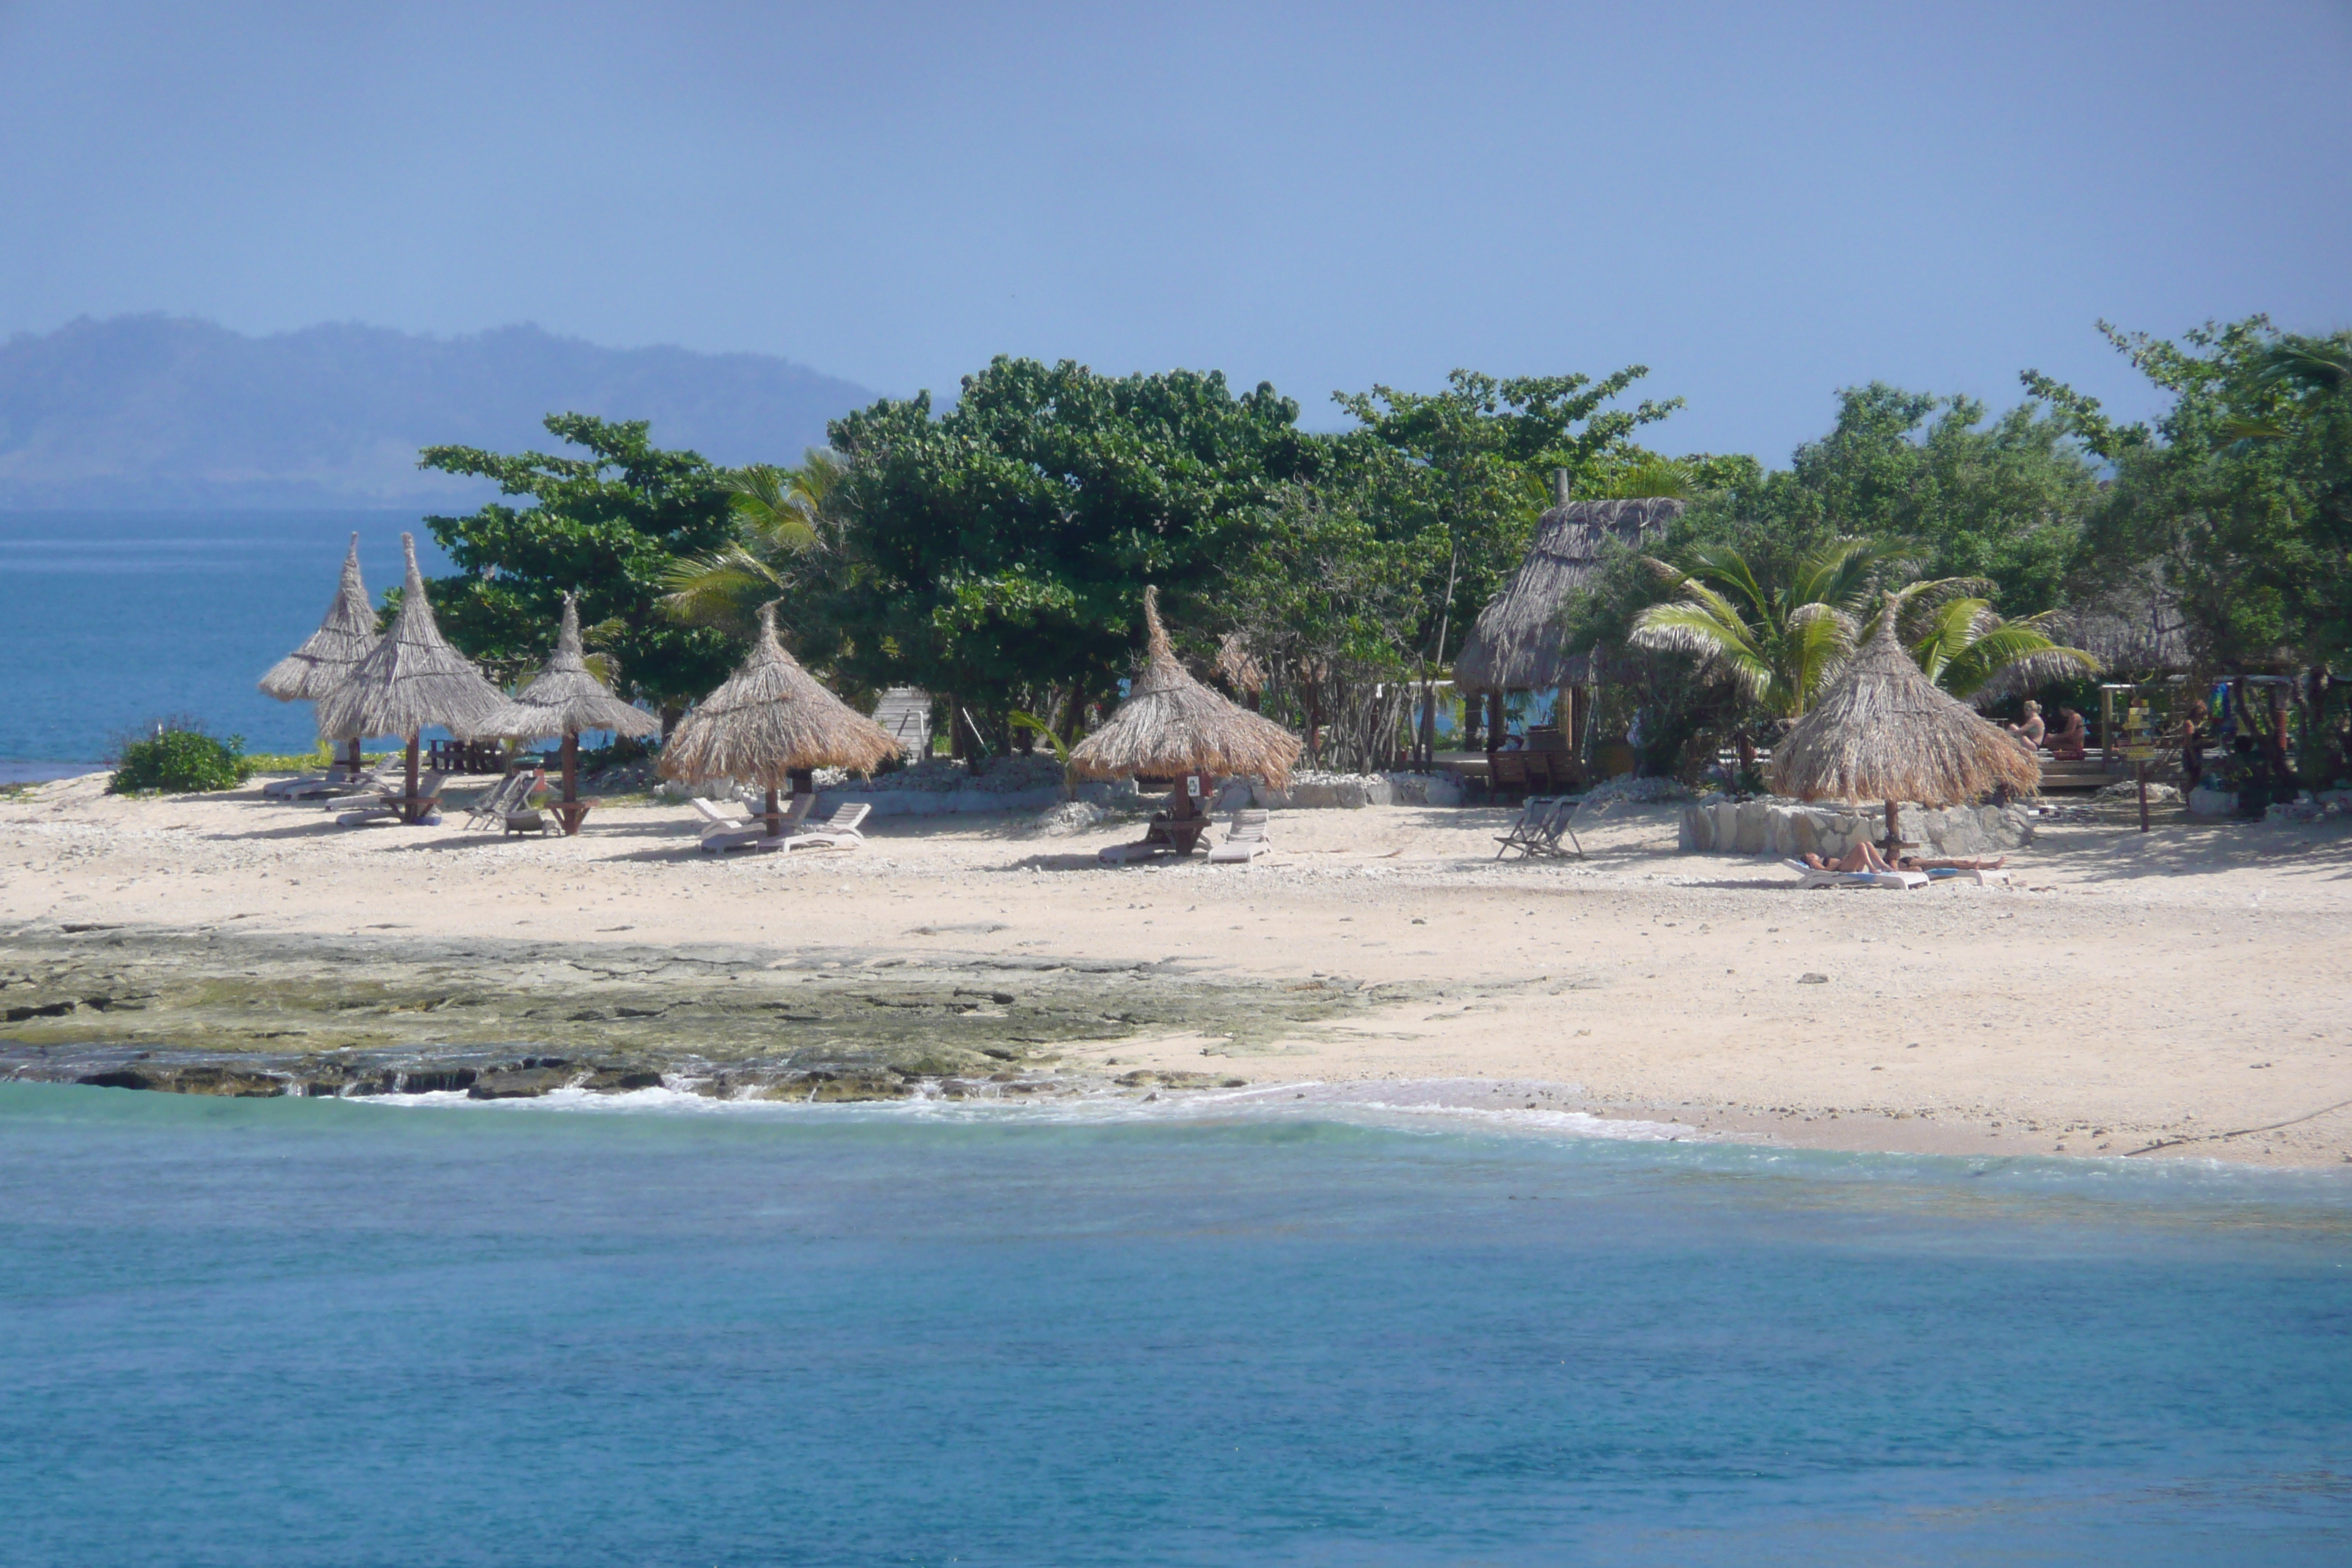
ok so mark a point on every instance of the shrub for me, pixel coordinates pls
(180, 759)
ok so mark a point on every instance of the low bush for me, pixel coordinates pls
(180, 759)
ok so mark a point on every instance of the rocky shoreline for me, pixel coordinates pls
(226, 1014)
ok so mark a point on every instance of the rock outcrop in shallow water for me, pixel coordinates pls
(256, 1016)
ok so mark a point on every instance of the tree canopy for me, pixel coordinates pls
(1008, 541)
(608, 526)
(2243, 490)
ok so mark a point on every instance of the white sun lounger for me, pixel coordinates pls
(837, 829)
(1816, 877)
(724, 827)
(1245, 841)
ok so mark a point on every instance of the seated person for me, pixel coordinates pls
(2067, 740)
(2031, 730)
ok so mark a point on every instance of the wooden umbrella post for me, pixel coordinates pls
(409, 812)
(571, 811)
(774, 814)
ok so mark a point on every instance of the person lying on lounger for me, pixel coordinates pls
(1865, 857)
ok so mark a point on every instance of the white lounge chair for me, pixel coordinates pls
(837, 829)
(335, 782)
(1814, 876)
(1245, 841)
(723, 828)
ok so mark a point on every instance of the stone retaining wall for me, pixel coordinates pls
(1721, 825)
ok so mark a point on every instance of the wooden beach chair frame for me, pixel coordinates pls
(1535, 835)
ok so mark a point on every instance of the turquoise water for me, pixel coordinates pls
(109, 621)
(305, 1331)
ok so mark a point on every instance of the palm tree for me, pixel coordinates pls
(1963, 644)
(784, 521)
(1778, 640)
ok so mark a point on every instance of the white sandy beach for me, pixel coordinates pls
(2186, 988)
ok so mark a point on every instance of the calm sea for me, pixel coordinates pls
(109, 621)
(656, 1333)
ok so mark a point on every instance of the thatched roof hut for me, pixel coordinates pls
(1883, 731)
(564, 698)
(1515, 643)
(2136, 628)
(411, 680)
(770, 720)
(329, 654)
(1172, 725)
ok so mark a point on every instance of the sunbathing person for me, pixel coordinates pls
(1865, 857)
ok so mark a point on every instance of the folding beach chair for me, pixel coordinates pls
(1537, 834)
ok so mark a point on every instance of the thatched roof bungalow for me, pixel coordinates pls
(1516, 644)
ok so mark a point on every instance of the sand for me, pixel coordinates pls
(2180, 993)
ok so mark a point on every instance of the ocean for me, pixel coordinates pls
(651, 1330)
(111, 621)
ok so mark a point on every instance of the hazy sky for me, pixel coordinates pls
(1761, 203)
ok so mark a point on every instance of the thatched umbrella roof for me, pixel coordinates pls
(1883, 731)
(1515, 644)
(412, 680)
(1172, 725)
(328, 655)
(772, 720)
(564, 699)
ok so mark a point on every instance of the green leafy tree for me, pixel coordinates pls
(1779, 636)
(1002, 547)
(1470, 469)
(788, 530)
(2242, 491)
(610, 526)
(1963, 644)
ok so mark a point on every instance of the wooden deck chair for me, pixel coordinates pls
(507, 797)
(1814, 876)
(1507, 773)
(1537, 834)
(837, 829)
(1245, 841)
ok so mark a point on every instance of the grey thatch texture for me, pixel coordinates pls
(1172, 724)
(564, 699)
(1883, 731)
(411, 681)
(2135, 629)
(770, 720)
(329, 654)
(1515, 645)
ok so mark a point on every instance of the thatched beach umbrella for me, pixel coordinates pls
(1172, 725)
(1883, 731)
(329, 654)
(410, 681)
(773, 724)
(563, 699)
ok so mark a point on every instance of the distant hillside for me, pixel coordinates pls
(151, 412)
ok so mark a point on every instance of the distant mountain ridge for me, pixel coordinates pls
(165, 413)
